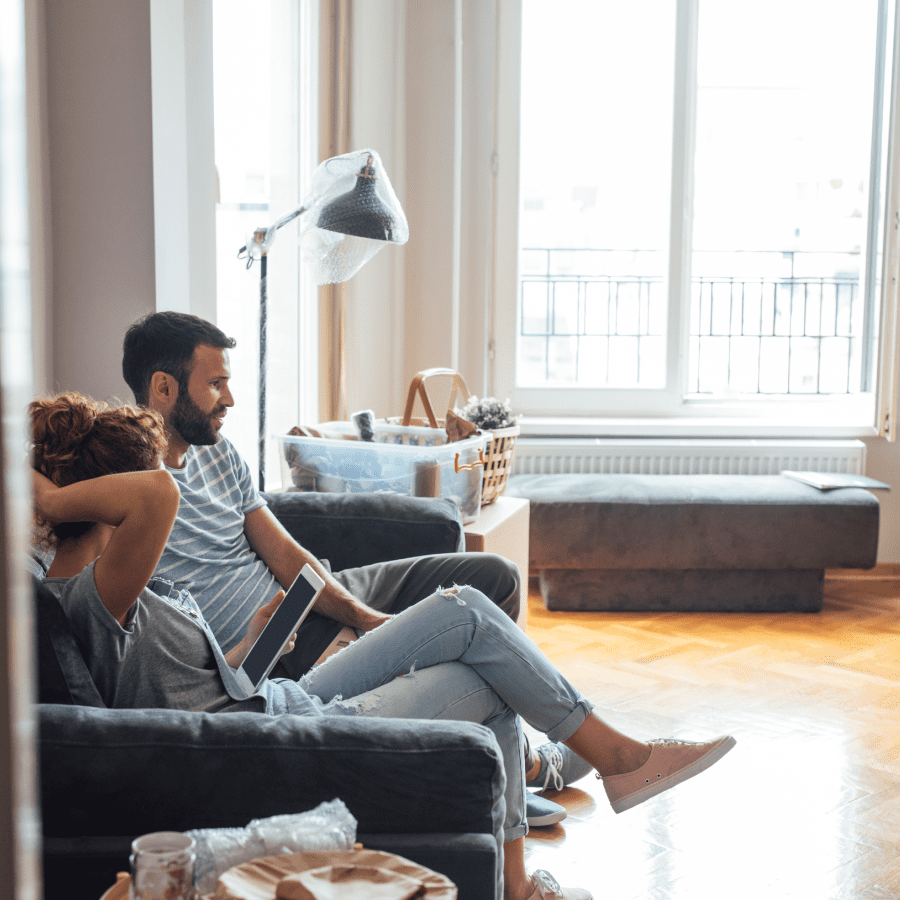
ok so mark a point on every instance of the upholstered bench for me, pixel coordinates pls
(748, 543)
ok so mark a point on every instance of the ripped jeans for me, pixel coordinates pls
(455, 655)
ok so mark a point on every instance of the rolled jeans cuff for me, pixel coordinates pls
(572, 721)
(516, 831)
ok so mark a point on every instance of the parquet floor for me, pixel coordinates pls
(806, 807)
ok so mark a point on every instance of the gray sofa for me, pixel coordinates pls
(430, 791)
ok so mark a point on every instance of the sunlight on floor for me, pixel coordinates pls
(807, 806)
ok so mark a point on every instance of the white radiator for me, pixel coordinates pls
(638, 456)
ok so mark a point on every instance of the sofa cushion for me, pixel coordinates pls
(640, 522)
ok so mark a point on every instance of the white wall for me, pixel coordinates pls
(184, 170)
(100, 165)
(375, 307)
(883, 463)
(431, 130)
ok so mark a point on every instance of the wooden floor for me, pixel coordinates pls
(808, 803)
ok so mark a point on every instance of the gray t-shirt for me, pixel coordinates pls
(165, 656)
(207, 551)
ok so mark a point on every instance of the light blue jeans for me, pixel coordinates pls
(455, 656)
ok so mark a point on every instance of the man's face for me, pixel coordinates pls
(198, 414)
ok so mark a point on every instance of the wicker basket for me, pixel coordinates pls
(498, 462)
(499, 450)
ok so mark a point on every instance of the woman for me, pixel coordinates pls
(108, 507)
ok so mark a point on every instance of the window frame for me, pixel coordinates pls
(292, 394)
(670, 410)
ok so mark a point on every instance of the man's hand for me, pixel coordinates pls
(236, 655)
(371, 619)
(343, 607)
(285, 558)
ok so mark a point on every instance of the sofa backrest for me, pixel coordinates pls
(351, 530)
(63, 675)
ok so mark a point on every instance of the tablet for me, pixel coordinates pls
(270, 644)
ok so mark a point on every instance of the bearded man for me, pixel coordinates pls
(226, 547)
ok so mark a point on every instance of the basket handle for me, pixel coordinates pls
(417, 386)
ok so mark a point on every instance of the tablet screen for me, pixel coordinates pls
(268, 646)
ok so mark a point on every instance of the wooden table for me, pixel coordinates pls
(502, 528)
(119, 891)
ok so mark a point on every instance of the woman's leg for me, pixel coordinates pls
(398, 584)
(461, 625)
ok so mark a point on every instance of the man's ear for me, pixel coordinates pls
(163, 391)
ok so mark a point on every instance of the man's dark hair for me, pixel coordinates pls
(165, 342)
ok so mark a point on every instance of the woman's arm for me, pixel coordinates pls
(141, 507)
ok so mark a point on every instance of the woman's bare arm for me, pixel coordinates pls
(141, 506)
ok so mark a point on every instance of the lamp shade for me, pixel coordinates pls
(353, 213)
(361, 212)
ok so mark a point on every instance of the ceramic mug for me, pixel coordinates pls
(162, 867)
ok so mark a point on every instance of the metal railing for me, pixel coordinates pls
(778, 323)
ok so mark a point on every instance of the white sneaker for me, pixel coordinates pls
(546, 887)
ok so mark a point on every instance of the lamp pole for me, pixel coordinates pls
(263, 237)
(263, 322)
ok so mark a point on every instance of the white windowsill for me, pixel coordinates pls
(698, 427)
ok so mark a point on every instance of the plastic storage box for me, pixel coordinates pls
(401, 460)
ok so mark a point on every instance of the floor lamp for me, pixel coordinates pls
(354, 213)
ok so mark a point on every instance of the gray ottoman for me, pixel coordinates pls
(742, 543)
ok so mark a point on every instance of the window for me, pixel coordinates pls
(700, 208)
(266, 146)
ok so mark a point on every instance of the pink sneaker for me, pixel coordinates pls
(546, 887)
(671, 762)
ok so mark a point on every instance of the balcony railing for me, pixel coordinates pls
(760, 322)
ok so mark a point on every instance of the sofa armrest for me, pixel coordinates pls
(352, 530)
(129, 772)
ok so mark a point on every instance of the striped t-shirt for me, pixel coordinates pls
(208, 553)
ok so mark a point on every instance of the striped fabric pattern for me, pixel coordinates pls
(208, 553)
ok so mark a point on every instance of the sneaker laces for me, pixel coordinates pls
(551, 757)
(547, 886)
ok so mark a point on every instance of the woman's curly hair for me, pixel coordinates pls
(75, 438)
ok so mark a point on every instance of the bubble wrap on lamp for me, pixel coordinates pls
(353, 212)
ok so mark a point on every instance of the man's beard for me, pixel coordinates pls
(192, 424)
